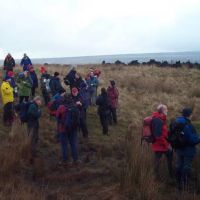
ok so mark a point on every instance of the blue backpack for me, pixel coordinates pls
(72, 118)
(22, 110)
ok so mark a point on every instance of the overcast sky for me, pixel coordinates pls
(57, 28)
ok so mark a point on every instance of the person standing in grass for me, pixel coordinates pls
(103, 110)
(161, 146)
(8, 100)
(93, 84)
(34, 79)
(67, 128)
(113, 95)
(34, 114)
(24, 83)
(26, 63)
(187, 153)
(55, 85)
(9, 63)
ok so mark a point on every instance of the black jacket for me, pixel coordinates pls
(9, 64)
(56, 86)
(103, 103)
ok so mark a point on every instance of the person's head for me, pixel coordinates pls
(92, 74)
(162, 109)
(112, 83)
(31, 69)
(25, 55)
(26, 74)
(74, 91)
(38, 100)
(43, 70)
(9, 55)
(103, 91)
(187, 112)
(10, 74)
(56, 74)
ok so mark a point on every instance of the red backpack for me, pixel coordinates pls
(147, 134)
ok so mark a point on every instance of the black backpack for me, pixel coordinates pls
(176, 136)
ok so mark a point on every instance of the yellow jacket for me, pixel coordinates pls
(7, 93)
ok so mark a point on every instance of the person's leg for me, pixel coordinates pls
(33, 91)
(104, 122)
(21, 99)
(63, 142)
(72, 137)
(83, 123)
(179, 169)
(186, 171)
(169, 156)
(10, 113)
(5, 116)
(33, 134)
(26, 98)
(114, 115)
(157, 157)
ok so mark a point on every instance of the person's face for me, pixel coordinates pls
(165, 111)
(26, 74)
(75, 94)
(39, 102)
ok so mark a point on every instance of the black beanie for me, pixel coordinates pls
(56, 74)
(187, 112)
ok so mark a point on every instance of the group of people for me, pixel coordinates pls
(181, 138)
(68, 109)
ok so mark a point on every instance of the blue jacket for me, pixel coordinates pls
(25, 63)
(56, 86)
(191, 136)
(84, 94)
(34, 79)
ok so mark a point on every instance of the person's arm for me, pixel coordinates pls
(13, 62)
(22, 62)
(99, 100)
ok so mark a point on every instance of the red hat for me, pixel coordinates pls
(10, 74)
(74, 91)
(43, 70)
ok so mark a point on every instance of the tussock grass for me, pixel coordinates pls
(114, 167)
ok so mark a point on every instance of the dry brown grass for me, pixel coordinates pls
(114, 167)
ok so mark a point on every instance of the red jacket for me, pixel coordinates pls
(161, 144)
(61, 115)
(113, 95)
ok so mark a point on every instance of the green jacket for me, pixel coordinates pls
(24, 86)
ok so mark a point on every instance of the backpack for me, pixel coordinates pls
(72, 118)
(147, 134)
(22, 110)
(52, 107)
(176, 135)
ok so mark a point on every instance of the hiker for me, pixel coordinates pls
(82, 110)
(96, 72)
(93, 83)
(160, 145)
(85, 99)
(113, 95)
(70, 77)
(26, 63)
(34, 79)
(103, 110)
(7, 100)
(44, 83)
(10, 75)
(78, 81)
(24, 83)
(186, 154)
(9, 63)
(55, 85)
(67, 128)
(34, 113)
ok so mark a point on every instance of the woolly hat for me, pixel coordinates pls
(10, 74)
(43, 70)
(187, 112)
(56, 74)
